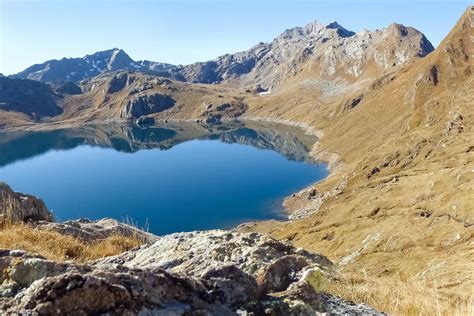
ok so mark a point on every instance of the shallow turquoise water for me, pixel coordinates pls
(216, 180)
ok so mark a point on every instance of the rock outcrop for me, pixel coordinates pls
(117, 83)
(65, 87)
(222, 282)
(16, 207)
(146, 104)
(90, 231)
(194, 253)
(215, 113)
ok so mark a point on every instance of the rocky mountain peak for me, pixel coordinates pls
(313, 27)
(80, 68)
(341, 31)
(119, 60)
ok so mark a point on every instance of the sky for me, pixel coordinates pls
(187, 31)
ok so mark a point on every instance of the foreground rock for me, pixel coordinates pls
(16, 207)
(205, 273)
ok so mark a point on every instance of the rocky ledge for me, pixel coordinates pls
(198, 273)
(90, 231)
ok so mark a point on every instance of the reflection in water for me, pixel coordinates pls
(189, 178)
(291, 142)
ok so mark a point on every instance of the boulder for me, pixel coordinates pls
(230, 285)
(278, 275)
(16, 207)
(373, 172)
(260, 89)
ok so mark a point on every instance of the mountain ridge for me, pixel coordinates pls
(256, 59)
(91, 65)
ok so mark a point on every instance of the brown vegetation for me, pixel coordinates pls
(398, 211)
(409, 297)
(55, 246)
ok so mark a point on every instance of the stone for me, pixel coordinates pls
(90, 231)
(278, 275)
(231, 285)
(372, 172)
(19, 207)
(260, 89)
(315, 277)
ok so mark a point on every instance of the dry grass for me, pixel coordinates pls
(410, 297)
(55, 246)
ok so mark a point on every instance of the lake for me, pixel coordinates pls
(167, 178)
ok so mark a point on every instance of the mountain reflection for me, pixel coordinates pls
(291, 142)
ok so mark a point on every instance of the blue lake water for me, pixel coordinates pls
(170, 179)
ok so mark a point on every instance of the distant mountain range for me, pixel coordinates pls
(328, 59)
(326, 49)
(77, 69)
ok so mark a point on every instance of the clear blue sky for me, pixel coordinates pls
(185, 31)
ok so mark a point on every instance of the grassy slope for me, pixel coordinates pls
(412, 221)
(55, 246)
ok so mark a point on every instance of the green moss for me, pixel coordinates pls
(316, 278)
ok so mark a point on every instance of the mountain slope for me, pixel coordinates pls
(33, 98)
(399, 208)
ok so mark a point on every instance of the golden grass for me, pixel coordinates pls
(410, 297)
(55, 246)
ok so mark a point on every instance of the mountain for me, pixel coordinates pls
(399, 202)
(316, 50)
(77, 69)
